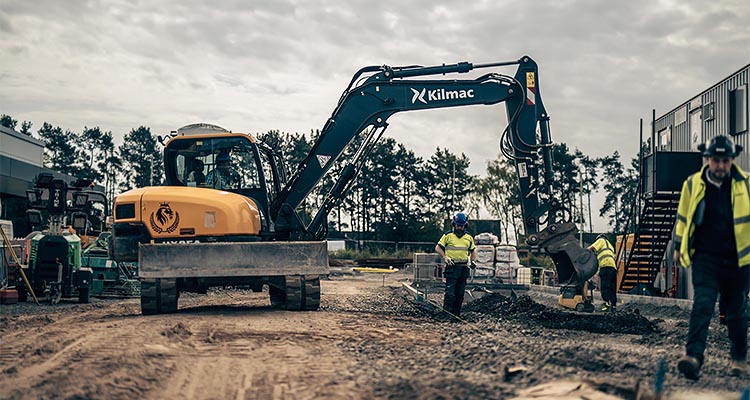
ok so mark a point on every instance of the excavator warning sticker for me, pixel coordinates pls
(530, 89)
(323, 160)
(522, 173)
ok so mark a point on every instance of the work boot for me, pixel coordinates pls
(689, 367)
(739, 368)
(606, 306)
(612, 308)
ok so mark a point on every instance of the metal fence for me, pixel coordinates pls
(427, 267)
(377, 246)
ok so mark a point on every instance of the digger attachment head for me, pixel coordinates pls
(574, 264)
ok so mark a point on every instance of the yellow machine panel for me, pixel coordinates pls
(185, 212)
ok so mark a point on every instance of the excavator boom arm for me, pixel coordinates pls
(387, 92)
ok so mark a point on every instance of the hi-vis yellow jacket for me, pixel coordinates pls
(605, 253)
(457, 248)
(691, 209)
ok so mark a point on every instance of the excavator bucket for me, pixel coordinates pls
(575, 265)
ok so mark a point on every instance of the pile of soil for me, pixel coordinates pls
(525, 309)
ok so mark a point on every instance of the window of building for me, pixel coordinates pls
(696, 128)
(738, 110)
(665, 139)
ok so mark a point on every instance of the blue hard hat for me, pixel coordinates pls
(223, 156)
(460, 219)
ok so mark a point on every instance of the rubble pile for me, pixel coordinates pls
(525, 309)
(385, 301)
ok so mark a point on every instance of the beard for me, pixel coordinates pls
(718, 176)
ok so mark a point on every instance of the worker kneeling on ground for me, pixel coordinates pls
(713, 238)
(459, 253)
(605, 255)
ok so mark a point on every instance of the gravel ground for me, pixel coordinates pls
(501, 345)
(369, 340)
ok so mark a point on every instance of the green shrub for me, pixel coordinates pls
(541, 260)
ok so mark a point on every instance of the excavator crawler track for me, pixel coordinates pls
(302, 292)
(159, 296)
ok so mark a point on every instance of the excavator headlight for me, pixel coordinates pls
(124, 211)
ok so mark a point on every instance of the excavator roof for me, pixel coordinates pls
(200, 129)
(206, 130)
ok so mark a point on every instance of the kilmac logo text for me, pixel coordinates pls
(424, 95)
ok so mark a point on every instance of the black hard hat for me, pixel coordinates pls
(601, 235)
(720, 146)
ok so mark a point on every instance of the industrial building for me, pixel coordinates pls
(720, 109)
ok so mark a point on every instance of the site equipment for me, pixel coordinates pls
(60, 263)
(54, 264)
(187, 236)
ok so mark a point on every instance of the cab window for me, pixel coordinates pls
(219, 163)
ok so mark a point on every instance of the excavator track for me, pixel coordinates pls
(294, 296)
(312, 292)
(302, 293)
(277, 296)
(159, 296)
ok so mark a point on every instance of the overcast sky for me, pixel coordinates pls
(253, 66)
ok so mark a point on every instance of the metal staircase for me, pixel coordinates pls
(654, 231)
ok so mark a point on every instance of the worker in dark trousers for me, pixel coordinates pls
(605, 255)
(713, 237)
(459, 253)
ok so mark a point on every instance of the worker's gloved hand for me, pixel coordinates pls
(473, 264)
(449, 261)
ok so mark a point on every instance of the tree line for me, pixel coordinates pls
(397, 196)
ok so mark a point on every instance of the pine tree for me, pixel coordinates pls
(60, 149)
(142, 162)
(450, 181)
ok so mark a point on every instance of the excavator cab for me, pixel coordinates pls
(222, 160)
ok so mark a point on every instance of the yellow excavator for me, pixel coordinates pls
(230, 215)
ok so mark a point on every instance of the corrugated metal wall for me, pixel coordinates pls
(673, 130)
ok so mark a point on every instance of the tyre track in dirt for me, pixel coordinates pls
(257, 353)
(85, 360)
(243, 350)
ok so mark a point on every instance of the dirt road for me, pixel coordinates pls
(367, 341)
